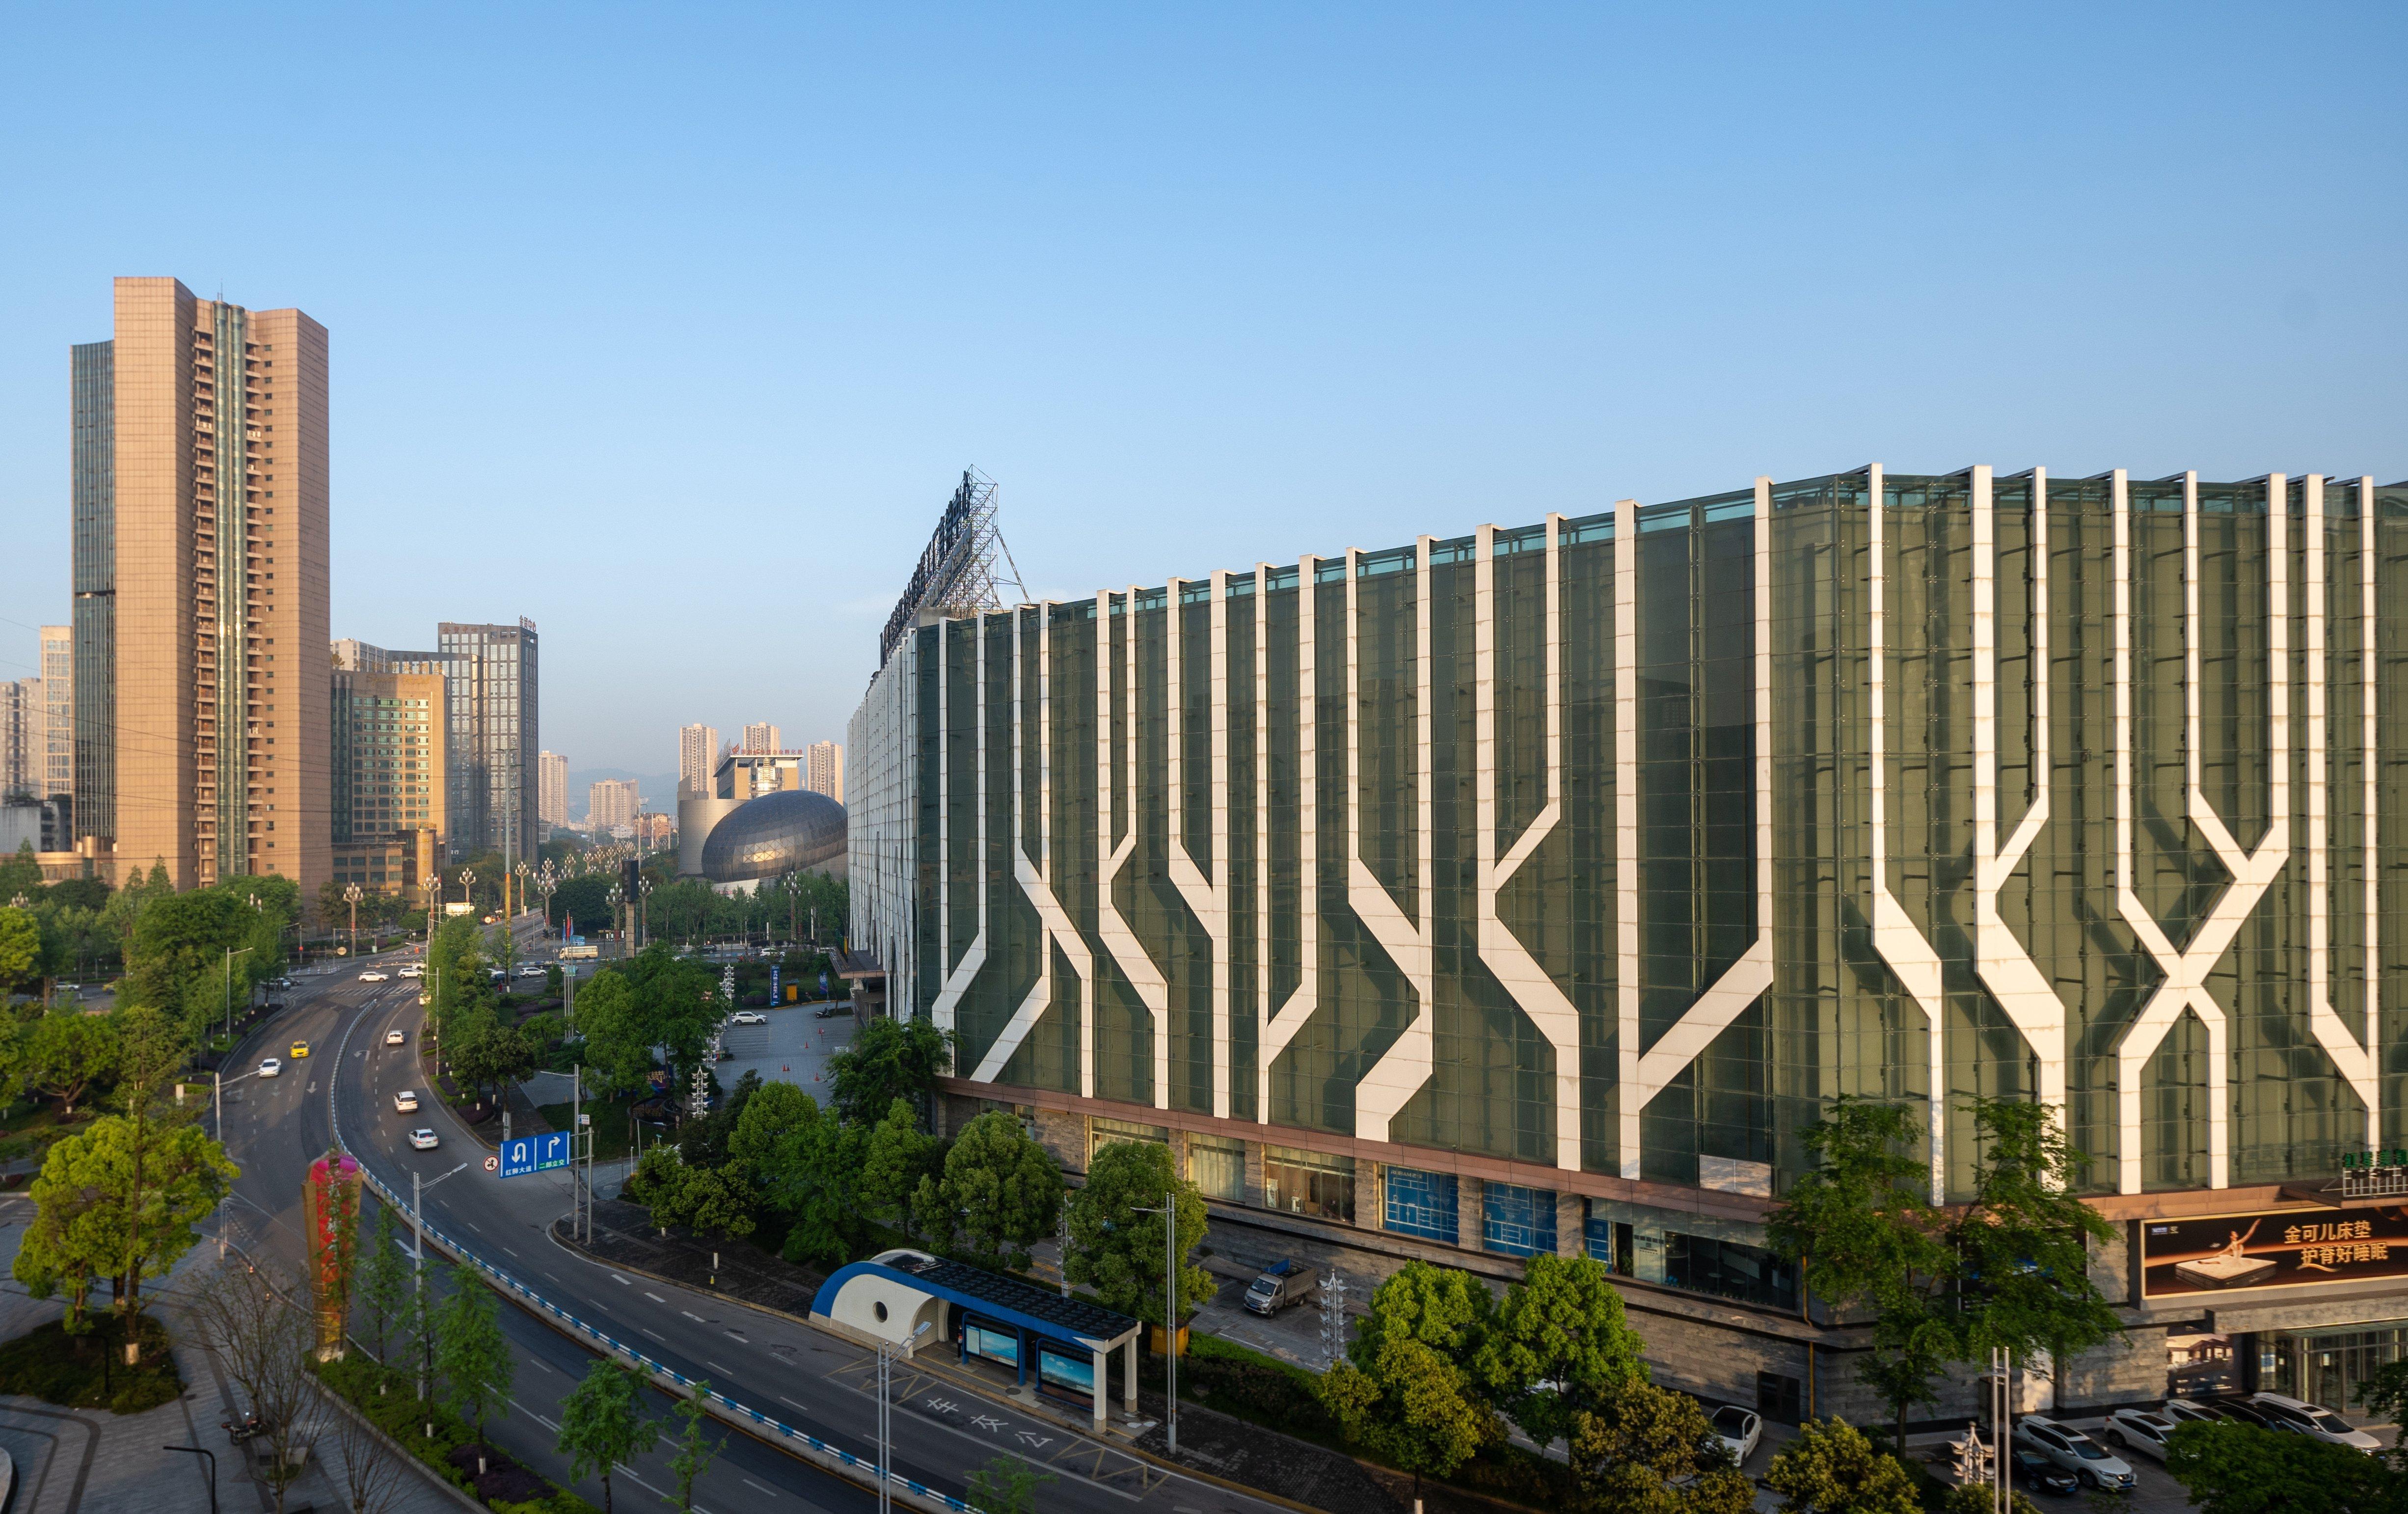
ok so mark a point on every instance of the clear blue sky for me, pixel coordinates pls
(672, 328)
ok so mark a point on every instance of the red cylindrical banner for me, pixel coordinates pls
(330, 1207)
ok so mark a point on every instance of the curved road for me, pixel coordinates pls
(815, 1382)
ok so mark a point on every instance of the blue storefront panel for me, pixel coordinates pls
(1517, 1221)
(1422, 1204)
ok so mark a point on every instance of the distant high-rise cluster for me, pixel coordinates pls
(824, 770)
(761, 737)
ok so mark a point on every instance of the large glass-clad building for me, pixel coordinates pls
(1574, 867)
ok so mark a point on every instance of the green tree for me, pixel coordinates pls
(603, 1424)
(803, 1164)
(888, 1059)
(1116, 1249)
(1410, 1406)
(177, 959)
(618, 1053)
(2022, 1247)
(1831, 1468)
(384, 1287)
(1638, 1449)
(149, 1049)
(896, 1157)
(1001, 1193)
(21, 872)
(1005, 1485)
(1862, 1224)
(21, 948)
(1445, 1308)
(2229, 1469)
(2384, 1394)
(472, 1357)
(713, 1201)
(1559, 1347)
(67, 1051)
(87, 1201)
(694, 1452)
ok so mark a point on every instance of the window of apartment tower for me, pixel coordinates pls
(1217, 1165)
(1308, 1183)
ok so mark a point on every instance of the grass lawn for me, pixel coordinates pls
(88, 1371)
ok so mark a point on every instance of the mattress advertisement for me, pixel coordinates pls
(2287, 1248)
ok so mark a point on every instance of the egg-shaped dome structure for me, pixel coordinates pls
(795, 831)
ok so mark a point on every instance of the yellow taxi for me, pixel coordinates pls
(300, 1050)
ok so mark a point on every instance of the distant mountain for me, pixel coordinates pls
(658, 791)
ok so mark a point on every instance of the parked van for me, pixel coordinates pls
(1282, 1283)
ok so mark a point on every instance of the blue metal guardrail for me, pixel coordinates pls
(395, 1202)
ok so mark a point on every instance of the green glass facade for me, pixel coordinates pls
(1620, 843)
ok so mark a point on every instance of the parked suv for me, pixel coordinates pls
(1282, 1283)
(2074, 1452)
(2138, 1430)
(2315, 1422)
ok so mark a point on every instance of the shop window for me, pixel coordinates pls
(1778, 1398)
(1609, 1241)
(1308, 1183)
(1217, 1165)
(1517, 1221)
(1422, 1203)
(1749, 1274)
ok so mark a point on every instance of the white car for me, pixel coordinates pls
(1737, 1429)
(406, 1101)
(422, 1140)
(2074, 1452)
(2314, 1421)
(372, 976)
(394, 1038)
(271, 1068)
(531, 970)
(748, 1016)
(2138, 1430)
(413, 970)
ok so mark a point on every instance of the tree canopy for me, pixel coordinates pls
(888, 1059)
(1639, 1449)
(1000, 1193)
(1831, 1468)
(2230, 1468)
(1558, 1346)
(1115, 1247)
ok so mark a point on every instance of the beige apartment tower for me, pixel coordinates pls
(761, 736)
(698, 756)
(552, 789)
(220, 725)
(824, 770)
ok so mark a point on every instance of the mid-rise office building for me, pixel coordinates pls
(824, 770)
(612, 803)
(199, 502)
(552, 789)
(760, 737)
(494, 688)
(697, 754)
(24, 738)
(387, 739)
(1534, 889)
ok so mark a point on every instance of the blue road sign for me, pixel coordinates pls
(524, 1154)
(773, 983)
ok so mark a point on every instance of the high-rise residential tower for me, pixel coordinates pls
(493, 741)
(58, 710)
(761, 736)
(22, 739)
(698, 756)
(200, 555)
(552, 789)
(388, 764)
(824, 770)
(611, 802)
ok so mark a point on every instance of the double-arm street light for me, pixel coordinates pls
(231, 954)
(352, 897)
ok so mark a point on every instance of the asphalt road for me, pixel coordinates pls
(817, 1383)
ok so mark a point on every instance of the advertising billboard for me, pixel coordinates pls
(2277, 1249)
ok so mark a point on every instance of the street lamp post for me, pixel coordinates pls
(644, 891)
(1169, 1213)
(352, 897)
(231, 954)
(887, 1352)
(521, 870)
(617, 894)
(418, 1188)
(468, 881)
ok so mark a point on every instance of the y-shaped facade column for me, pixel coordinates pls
(1279, 1026)
(1405, 1066)
(1207, 897)
(1112, 929)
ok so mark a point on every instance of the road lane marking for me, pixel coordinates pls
(1166, 1289)
(701, 1320)
(657, 1299)
(806, 1408)
(772, 1492)
(616, 1278)
(716, 1367)
(741, 1341)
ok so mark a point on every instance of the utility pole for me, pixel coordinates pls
(231, 954)
(1169, 1213)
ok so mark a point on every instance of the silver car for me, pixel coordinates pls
(2075, 1452)
(1738, 1429)
(2138, 1430)
(2314, 1421)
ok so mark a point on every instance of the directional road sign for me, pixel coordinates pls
(524, 1154)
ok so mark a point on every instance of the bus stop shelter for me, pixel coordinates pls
(1066, 1343)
